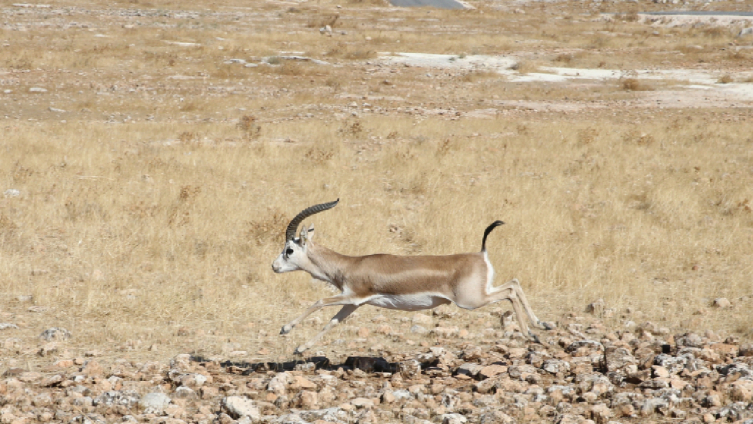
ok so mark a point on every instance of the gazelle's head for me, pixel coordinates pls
(294, 254)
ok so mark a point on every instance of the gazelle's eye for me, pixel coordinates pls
(289, 252)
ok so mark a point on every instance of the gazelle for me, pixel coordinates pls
(408, 283)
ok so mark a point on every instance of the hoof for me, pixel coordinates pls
(299, 350)
(286, 329)
(544, 325)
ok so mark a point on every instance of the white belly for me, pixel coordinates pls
(408, 302)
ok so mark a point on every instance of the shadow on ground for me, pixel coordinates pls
(364, 363)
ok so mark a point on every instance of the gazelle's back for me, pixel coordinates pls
(383, 273)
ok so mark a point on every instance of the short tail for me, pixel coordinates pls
(488, 230)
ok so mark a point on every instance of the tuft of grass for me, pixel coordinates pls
(725, 79)
(633, 84)
(525, 67)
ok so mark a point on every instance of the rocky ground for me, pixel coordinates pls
(580, 372)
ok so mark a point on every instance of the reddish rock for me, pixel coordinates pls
(492, 370)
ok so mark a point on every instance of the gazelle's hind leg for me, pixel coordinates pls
(338, 318)
(513, 292)
(522, 296)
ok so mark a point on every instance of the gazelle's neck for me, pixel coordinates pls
(327, 265)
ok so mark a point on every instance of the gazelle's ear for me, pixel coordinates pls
(310, 234)
(304, 235)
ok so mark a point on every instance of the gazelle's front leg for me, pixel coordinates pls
(338, 318)
(319, 304)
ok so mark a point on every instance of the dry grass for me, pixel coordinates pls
(151, 209)
(634, 84)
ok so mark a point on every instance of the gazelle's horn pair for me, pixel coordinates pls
(293, 226)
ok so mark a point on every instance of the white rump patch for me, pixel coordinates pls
(408, 302)
(489, 274)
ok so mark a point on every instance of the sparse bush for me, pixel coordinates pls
(322, 21)
(474, 76)
(248, 126)
(633, 84)
(629, 17)
(587, 135)
(716, 32)
(268, 229)
(524, 67)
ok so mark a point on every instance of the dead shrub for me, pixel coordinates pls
(353, 129)
(293, 68)
(248, 126)
(333, 83)
(524, 67)
(715, 32)
(629, 17)
(267, 230)
(587, 135)
(360, 54)
(725, 79)
(322, 21)
(474, 76)
(444, 148)
(319, 155)
(188, 137)
(346, 51)
(635, 136)
(633, 84)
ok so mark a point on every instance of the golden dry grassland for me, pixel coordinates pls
(155, 181)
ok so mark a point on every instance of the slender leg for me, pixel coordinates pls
(522, 296)
(338, 318)
(508, 292)
(514, 284)
(319, 304)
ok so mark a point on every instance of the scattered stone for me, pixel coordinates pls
(490, 371)
(721, 303)
(417, 329)
(595, 308)
(37, 90)
(55, 334)
(6, 326)
(12, 192)
(469, 369)
(445, 332)
(746, 349)
(362, 403)
(420, 318)
(239, 406)
(453, 419)
(154, 403)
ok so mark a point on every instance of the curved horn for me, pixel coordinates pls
(293, 226)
